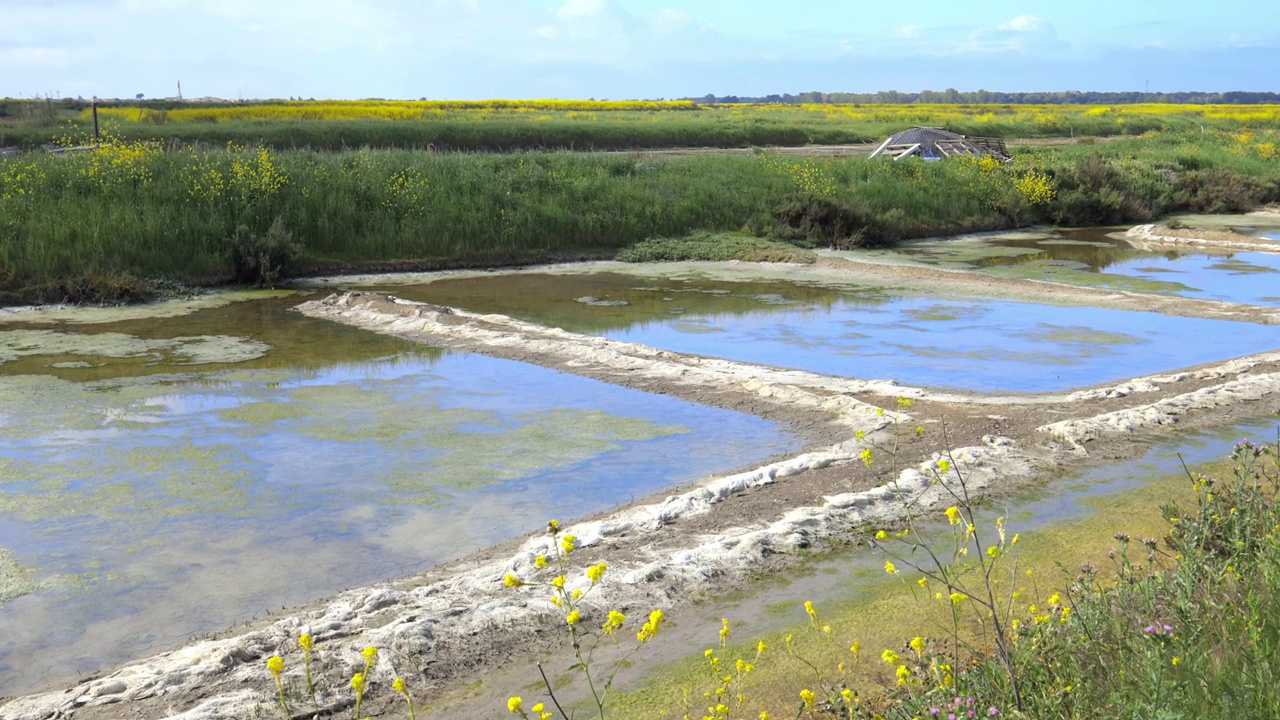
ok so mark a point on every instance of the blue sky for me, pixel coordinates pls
(628, 48)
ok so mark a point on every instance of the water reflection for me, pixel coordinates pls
(863, 332)
(157, 501)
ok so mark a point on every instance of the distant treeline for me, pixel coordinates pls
(987, 97)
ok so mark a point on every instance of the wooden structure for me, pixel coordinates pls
(938, 144)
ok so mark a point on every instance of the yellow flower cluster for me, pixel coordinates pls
(1035, 187)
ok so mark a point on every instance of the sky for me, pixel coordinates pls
(622, 49)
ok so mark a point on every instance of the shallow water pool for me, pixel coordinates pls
(157, 487)
(1090, 258)
(984, 345)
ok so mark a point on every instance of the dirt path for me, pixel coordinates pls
(447, 626)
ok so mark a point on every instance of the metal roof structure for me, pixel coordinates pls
(933, 143)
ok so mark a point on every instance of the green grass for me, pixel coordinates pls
(98, 225)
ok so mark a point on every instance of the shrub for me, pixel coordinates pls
(1221, 190)
(837, 223)
(262, 259)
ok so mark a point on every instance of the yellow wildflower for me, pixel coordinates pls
(953, 514)
(357, 682)
(651, 627)
(370, 654)
(512, 581)
(809, 609)
(614, 622)
(305, 642)
(568, 543)
(399, 686)
(855, 647)
(541, 561)
(807, 696)
(890, 657)
(957, 598)
(515, 703)
(882, 535)
(553, 526)
(889, 568)
(595, 572)
(558, 582)
(917, 644)
(275, 664)
(574, 617)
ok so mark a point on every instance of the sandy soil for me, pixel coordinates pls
(447, 626)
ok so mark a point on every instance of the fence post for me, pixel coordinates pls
(95, 121)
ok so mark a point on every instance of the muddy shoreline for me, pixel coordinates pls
(458, 619)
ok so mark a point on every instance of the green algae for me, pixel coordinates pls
(1087, 278)
(946, 313)
(1077, 335)
(939, 352)
(1239, 267)
(147, 484)
(198, 350)
(88, 315)
(17, 580)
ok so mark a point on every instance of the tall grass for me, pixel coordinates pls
(91, 225)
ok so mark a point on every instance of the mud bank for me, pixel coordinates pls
(454, 621)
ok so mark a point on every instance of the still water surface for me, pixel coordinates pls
(986, 345)
(170, 477)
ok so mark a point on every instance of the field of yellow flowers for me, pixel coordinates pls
(506, 125)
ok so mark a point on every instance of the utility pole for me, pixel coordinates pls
(179, 89)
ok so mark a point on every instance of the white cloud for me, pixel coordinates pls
(1024, 23)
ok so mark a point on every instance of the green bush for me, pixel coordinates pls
(262, 259)
(1222, 190)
